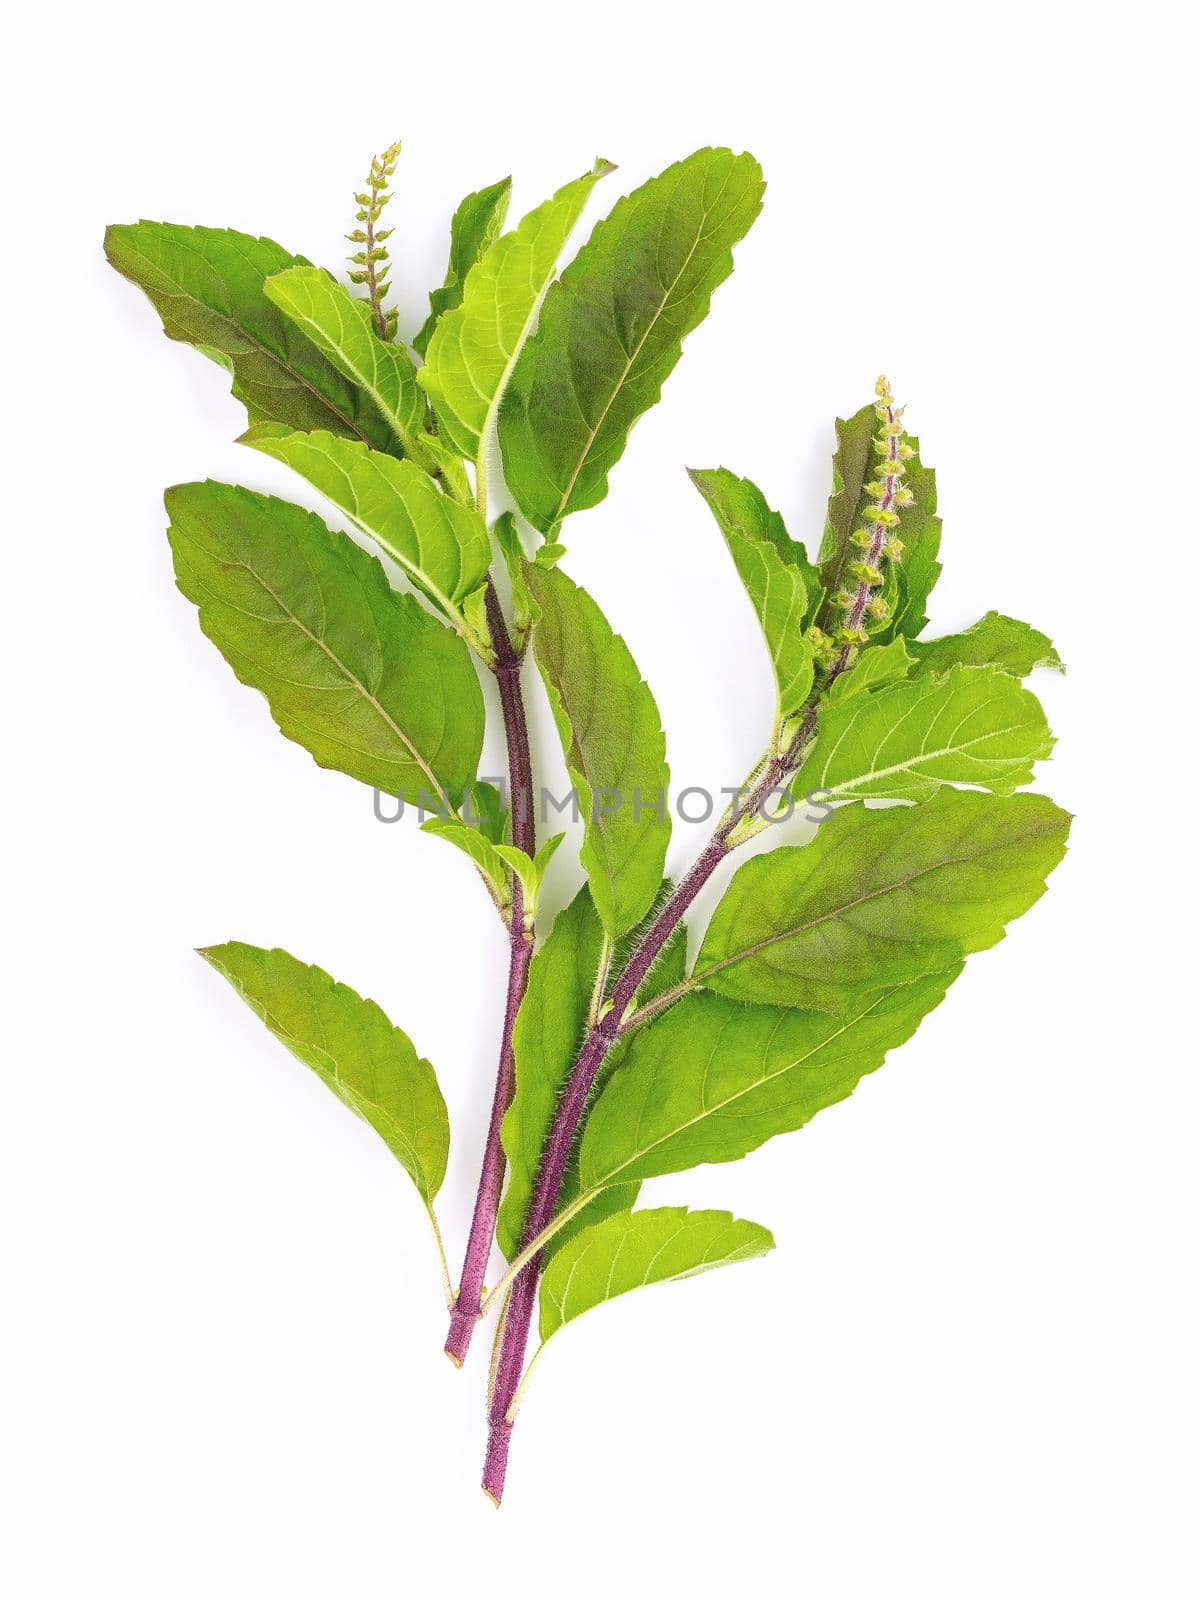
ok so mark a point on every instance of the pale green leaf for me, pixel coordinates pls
(208, 286)
(365, 679)
(975, 725)
(475, 225)
(879, 897)
(446, 463)
(783, 588)
(994, 640)
(508, 541)
(613, 742)
(475, 346)
(612, 327)
(530, 870)
(712, 1079)
(343, 329)
(876, 666)
(352, 1047)
(638, 1248)
(480, 849)
(442, 547)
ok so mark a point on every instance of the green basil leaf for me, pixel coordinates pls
(481, 850)
(365, 679)
(530, 870)
(638, 1248)
(208, 286)
(443, 547)
(995, 640)
(876, 667)
(613, 742)
(920, 530)
(880, 897)
(349, 1043)
(975, 725)
(712, 1079)
(852, 462)
(783, 588)
(612, 327)
(475, 346)
(475, 225)
(343, 330)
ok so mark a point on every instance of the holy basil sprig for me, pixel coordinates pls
(619, 1060)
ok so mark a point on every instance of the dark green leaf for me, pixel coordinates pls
(880, 897)
(612, 326)
(364, 678)
(852, 462)
(208, 286)
(613, 742)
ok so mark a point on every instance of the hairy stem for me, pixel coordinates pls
(507, 668)
(599, 1039)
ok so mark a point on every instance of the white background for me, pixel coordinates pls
(968, 1369)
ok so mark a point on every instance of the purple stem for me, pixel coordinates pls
(507, 669)
(519, 1313)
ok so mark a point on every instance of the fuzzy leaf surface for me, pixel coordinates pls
(612, 328)
(995, 640)
(473, 228)
(443, 547)
(209, 287)
(364, 678)
(349, 1043)
(783, 588)
(880, 897)
(975, 725)
(712, 1079)
(475, 346)
(877, 666)
(342, 328)
(638, 1248)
